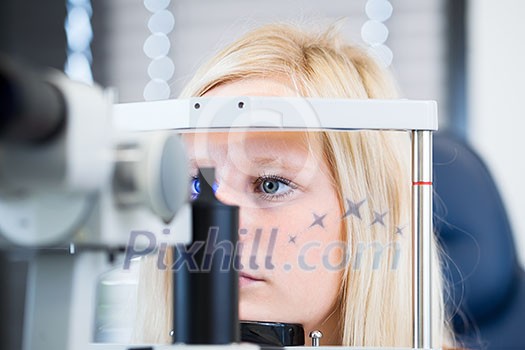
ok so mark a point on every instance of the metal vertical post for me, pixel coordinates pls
(422, 231)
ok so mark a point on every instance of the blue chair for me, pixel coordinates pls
(486, 282)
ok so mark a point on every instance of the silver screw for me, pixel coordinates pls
(316, 337)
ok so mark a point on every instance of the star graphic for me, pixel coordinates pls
(318, 220)
(378, 218)
(291, 239)
(353, 208)
(399, 230)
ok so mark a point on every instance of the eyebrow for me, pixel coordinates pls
(268, 161)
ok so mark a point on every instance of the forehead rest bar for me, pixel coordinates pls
(275, 113)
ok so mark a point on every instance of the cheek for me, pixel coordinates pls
(311, 286)
(302, 233)
(304, 283)
(305, 256)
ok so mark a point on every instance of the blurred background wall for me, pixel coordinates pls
(496, 97)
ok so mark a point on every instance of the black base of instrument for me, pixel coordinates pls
(270, 334)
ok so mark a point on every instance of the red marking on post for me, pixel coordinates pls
(422, 183)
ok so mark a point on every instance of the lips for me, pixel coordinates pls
(247, 279)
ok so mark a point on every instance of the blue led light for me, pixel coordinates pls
(196, 187)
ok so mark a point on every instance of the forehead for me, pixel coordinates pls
(218, 145)
(294, 154)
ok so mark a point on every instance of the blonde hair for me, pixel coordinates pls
(375, 301)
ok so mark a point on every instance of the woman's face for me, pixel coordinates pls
(290, 218)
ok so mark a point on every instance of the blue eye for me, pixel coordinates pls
(273, 188)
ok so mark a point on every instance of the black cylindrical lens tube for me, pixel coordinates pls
(206, 296)
(32, 110)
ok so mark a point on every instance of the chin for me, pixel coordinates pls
(249, 311)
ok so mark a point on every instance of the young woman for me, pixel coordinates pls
(325, 194)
